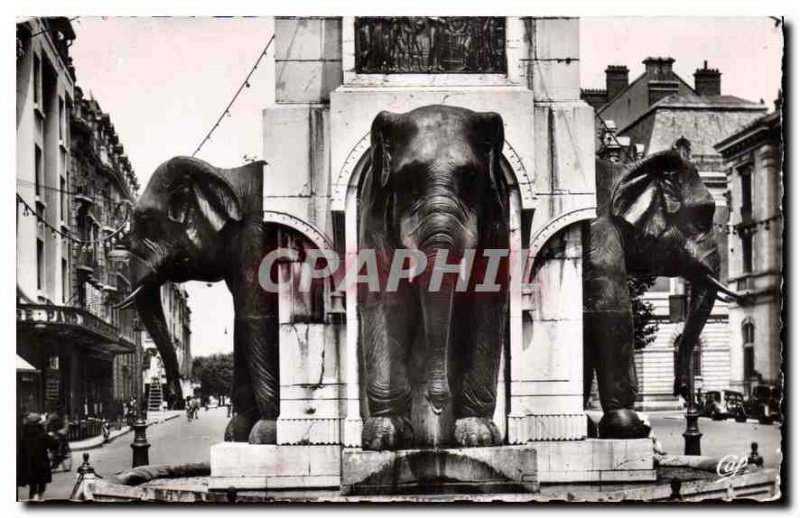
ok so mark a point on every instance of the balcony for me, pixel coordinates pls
(86, 260)
(75, 325)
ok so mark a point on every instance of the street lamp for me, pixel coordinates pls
(692, 435)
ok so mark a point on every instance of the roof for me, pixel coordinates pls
(770, 121)
(692, 100)
(704, 121)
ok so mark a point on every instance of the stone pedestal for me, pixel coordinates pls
(595, 460)
(261, 466)
(499, 469)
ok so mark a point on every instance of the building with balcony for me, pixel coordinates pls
(103, 190)
(754, 168)
(71, 208)
(657, 111)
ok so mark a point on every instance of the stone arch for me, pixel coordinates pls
(310, 231)
(551, 228)
(313, 306)
(351, 172)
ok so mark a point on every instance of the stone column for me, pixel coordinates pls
(547, 371)
(353, 423)
(547, 363)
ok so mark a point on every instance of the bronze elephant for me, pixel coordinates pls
(435, 186)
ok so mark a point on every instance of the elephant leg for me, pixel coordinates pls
(244, 403)
(610, 330)
(481, 347)
(388, 325)
(261, 346)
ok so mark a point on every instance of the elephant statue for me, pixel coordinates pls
(655, 218)
(198, 222)
(435, 185)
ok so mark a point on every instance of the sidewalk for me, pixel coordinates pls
(96, 442)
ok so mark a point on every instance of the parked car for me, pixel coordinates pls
(764, 404)
(722, 404)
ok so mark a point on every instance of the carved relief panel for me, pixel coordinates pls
(430, 45)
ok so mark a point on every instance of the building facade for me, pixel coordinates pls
(103, 187)
(754, 171)
(67, 334)
(655, 112)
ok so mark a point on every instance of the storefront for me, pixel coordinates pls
(68, 358)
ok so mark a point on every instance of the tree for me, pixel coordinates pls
(644, 325)
(214, 373)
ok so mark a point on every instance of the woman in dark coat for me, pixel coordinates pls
(33, 463)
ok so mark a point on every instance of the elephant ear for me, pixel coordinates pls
(649, 193)
(492, 135)
(197, 189)
(375, 198)
(383, 127)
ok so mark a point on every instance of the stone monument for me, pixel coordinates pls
(333, 77)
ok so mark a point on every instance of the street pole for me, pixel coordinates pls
(140, 446)
(692, 435)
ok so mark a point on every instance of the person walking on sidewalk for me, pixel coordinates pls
(33, 463)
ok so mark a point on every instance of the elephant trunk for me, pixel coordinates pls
(436, 310)
(151, 311)
(701, 302)
(443, 223)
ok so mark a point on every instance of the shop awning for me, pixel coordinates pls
(24, 366)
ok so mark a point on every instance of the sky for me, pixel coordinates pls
(164, 82)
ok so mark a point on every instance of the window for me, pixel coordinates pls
(747, 251)
(697, 360)
(61, 126)
(37, 79)
(63, 194)
(64, 281)
(39, 169)
(748, 339)
(747, 194)
(39, 264)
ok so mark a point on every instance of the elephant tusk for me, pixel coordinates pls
(721, 287)
(130, 299)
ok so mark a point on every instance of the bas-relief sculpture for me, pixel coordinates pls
(655, 218)
(428, 44)
(435, 184)
(198, 222)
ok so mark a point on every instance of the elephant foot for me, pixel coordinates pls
(623, 423)
(476, 431)
(265, 431)
(386, 433)
(238, 429)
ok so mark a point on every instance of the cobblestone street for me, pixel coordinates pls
(172, 442)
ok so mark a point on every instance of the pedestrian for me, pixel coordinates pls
(33, 463)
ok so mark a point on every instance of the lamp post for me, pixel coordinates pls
(692, 435)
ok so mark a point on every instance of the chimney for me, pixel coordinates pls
(616, 80)
(659, 69)
(661, 82)
(707, 80)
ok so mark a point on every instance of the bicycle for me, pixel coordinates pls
(61, 455)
